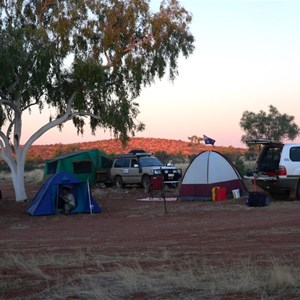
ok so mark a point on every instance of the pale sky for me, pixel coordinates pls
(247, 57)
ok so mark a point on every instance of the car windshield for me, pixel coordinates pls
(150, 162)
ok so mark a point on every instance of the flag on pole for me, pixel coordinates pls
(208, 140)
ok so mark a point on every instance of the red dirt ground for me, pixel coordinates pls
(220, 232)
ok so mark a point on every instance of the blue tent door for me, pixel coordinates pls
(45, 202)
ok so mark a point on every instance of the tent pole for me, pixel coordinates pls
(90, 202)
(56, 200)
(207, 170)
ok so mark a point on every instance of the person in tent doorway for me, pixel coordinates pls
(66, 201)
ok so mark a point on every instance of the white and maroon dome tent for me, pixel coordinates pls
(209, 169)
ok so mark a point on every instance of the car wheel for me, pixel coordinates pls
(172, 185)
(280, 195)
(298, 191)
(119, 182)
(146, 182)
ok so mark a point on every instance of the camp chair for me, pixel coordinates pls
(156, 187)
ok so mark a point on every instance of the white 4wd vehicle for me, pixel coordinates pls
(278, 169)
(138, 168)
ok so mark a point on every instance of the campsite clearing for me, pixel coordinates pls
(132, 250)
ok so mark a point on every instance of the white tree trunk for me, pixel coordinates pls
(15, 155)
(16, 166)
(18, 180)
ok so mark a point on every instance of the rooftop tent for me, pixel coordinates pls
(45, 201)
(86, 165)
(209, 169)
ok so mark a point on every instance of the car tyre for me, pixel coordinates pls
(146, 182)
(119, 182)
(173, 185)
(298, 191)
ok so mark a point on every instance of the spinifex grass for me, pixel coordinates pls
(88, 275)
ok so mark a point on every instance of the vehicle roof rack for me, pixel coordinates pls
(136, 151)
(130, 155)
(262, 142)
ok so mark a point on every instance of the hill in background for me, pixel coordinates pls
(113, 146)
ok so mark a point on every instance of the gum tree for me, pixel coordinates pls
(271, 126)
(87, 60)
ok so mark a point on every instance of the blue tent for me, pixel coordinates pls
(45, 201)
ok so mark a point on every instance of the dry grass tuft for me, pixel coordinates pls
(34, 176)
(282, 277)
(88, 275)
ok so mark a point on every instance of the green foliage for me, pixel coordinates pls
(3, 166)
(192, 157)
(195, 140)
(237, 159)
(272, 126)
(252, 152)
(29, 166)
(179, 158)
(239, 164)
(195, 144)
(65, 149)
(35, 159)
(165, 157)
(85, 60)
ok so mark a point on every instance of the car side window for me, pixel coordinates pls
(134, 163)
(295, 154)
(122, 163)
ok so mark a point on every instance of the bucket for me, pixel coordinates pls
(236, 194)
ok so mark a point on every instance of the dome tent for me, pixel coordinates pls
(209, 169)
(45, 200)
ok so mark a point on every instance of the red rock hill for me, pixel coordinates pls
(113, 146)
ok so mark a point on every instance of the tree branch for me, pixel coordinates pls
(12, 121)
(5, 149)
(65, 117)
(9, 103)
(30, 104)
(7, 13)
(43, 8)
(138, 42)
(4, 139)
